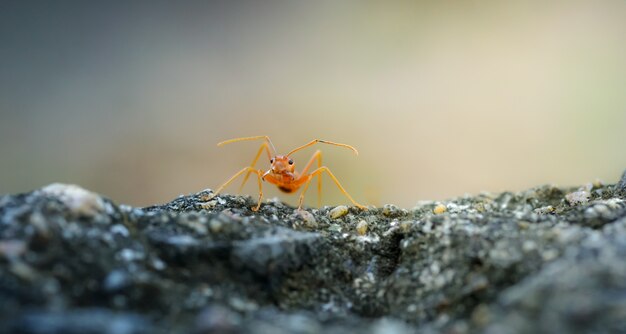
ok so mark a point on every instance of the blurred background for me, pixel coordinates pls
(129, 98)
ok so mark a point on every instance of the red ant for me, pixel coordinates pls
(282, 172)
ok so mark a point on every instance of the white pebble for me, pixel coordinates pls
(339, 211)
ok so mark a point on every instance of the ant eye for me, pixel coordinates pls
(290, 162)
(271, 161)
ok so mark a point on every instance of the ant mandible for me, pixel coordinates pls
(282, 172)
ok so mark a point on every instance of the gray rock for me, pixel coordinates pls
(582, 292)
(539, 260)
(285, 249)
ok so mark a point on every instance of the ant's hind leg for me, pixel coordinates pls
(325, 169)
(316, 156)
(245, 169)
(229, 181)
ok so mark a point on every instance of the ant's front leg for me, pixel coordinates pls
(265, 147)
(316, 156)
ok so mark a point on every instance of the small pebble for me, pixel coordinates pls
(23, 271)
(481, 315)
(116, 280)
(11, 249)
(208, 205)
(195, 226)
(218, 319)
(307, 218)
(39, 222)
(129, 255)
(120, 229)
(578, 197)
(334, 228)
(528, 246)
(361, 227)
(549, 254)
(215, 225)
(406, 225)
(338, 212)
(545, 210)
(597, 184)
(390, 210)
(158, 264)
(439, 209)
(240, 304)
(480, 207)
(77, 199)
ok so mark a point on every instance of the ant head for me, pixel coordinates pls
(282, 164)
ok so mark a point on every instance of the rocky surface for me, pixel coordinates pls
(544, 260)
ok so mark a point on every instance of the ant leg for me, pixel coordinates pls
(319, 182)
(319, 171)
(258, 178)
(316, 156)
(256, 158)
(245, 169)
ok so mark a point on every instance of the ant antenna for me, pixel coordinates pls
(313, 142)
(248, 138)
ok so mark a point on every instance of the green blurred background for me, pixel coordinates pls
(441, 98)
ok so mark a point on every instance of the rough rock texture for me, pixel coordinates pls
(543, 260)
